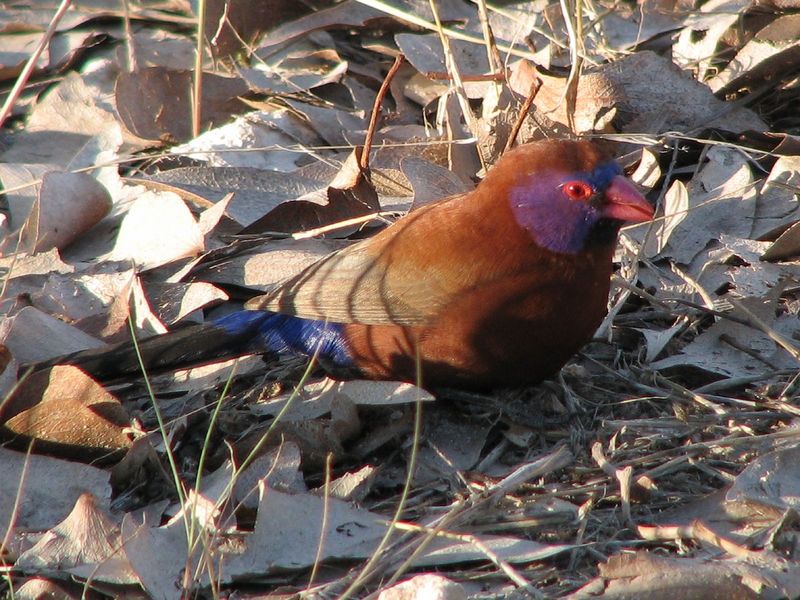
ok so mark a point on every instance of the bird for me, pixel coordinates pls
(495, 288)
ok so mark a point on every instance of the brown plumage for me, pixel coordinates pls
(463, 289)
(497, 287)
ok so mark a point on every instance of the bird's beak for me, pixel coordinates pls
(625, 203)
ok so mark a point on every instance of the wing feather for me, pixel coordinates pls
(375, 281)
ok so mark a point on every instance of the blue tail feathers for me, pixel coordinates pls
(274, 332)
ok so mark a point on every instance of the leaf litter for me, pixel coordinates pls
(658, 462)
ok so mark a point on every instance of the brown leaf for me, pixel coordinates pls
(772, 53)
(452, 445)
(51, 488)
(316, 440)
(39, 587)
(256, 190)
(69, 125)
(664, 578)
(173, 301)
(316, 399)
(771, 480)
(350, 194)
(157, 229)
(67, 205)
(425, 53)
(235, 26)
(87, 543)
(280, 468)
(353, 14)
(34, 336)
(637, 93)
(65, 411)
(265, 265)
(298, 67)
(786, 246)
(350, 487)
(155, 103)
(430, 181)
(289, 529)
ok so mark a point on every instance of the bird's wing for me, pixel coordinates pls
(391, 278)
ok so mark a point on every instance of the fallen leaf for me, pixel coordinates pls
(256, 190)
(48, 487)
(157, 229)
(231, 145)
(770, 479)
(773, 51)
(67, 205)
(350, 194)
(87, 544)
(33, 336)
(154, 103)
(430, 181)
(289, 531)
(315, 399)
(262, 265)
(451, 446)
(636, 94)
(62, 410)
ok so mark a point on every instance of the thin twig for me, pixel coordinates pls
(523, 112)
(571, 88)
(376, 111)
(197, 88)
(492, 55)
(27, 70)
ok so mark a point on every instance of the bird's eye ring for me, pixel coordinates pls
(578, 190)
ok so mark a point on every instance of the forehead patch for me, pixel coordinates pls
(601, 177)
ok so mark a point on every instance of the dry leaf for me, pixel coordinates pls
(350, 194)
(50, 488)
(256, 190)
(157, 229)
(33, 336)
(260, 266)
(430, 181)
(451, 445)
(155, 102)
(315, 399)
(773, 52)
(777, 207)
(636, 94)
(289, 530)
(86, 544)
(64, 411)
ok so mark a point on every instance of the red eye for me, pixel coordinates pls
(578, 190)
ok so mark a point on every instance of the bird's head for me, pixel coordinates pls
(568, 195)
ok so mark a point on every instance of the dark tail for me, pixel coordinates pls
(185, 347)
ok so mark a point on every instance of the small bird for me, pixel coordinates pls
(498, 287)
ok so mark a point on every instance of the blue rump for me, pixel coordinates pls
(274, 332)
